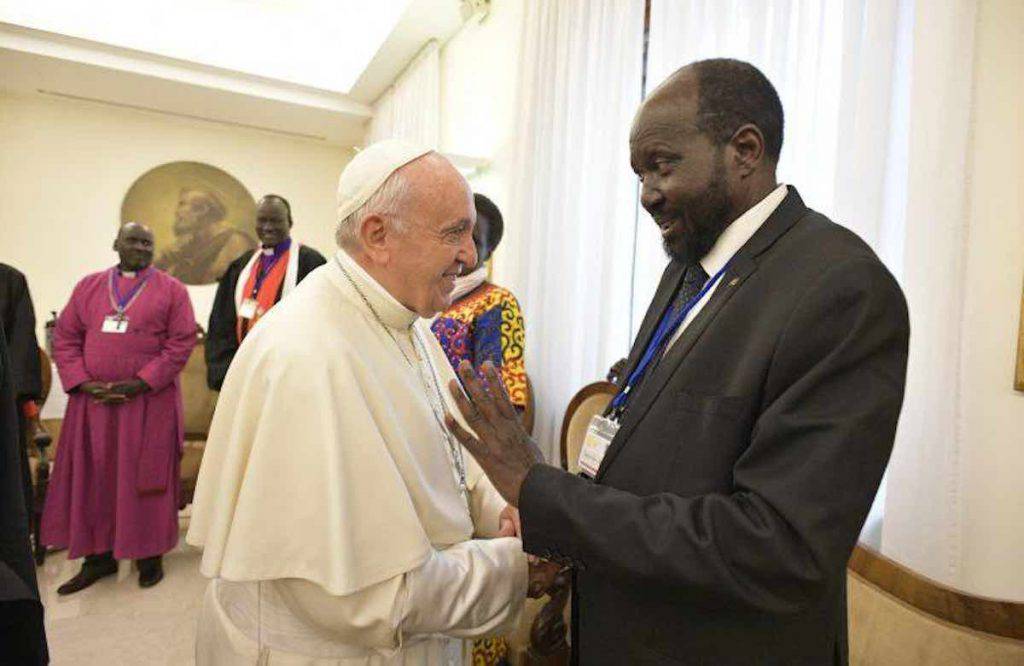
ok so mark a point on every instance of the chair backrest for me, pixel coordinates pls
(900, 617)
(47, 373)
(589, 401)
(199, 400)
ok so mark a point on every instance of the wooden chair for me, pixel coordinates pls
(588, 402)
(199, 402)
(38, 443)
(898, 616)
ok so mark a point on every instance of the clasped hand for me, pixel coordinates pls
(504, 451)
(542, 573)
(114, 393)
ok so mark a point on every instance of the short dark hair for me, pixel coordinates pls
(734, 93)
(278, 197)
(488, 209)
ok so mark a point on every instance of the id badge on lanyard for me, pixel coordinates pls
(118, 322)
(600, 434)
(115, 324)
(602, 429)
(248, 308)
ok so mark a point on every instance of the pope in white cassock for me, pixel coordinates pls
(341, 523)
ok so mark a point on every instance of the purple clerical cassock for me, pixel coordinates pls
(115, 485)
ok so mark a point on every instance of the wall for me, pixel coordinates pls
(991, 419)
(66, 165)
(479, 77)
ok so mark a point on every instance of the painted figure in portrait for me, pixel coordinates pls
(202, 217)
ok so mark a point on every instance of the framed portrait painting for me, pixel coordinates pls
(202, 217)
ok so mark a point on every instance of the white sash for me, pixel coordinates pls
(291, 274)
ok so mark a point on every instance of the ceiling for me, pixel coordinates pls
(306, 68)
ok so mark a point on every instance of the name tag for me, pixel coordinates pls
(248, 308)
(600, 434)
(115, 324)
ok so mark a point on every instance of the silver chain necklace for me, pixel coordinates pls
(458, 461)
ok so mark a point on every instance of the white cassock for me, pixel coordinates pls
(328, 503)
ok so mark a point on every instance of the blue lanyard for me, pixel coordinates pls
(669, 325)
(122, 303)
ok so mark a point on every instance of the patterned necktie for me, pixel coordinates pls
(693, 282)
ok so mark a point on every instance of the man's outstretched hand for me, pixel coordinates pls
(504, 450)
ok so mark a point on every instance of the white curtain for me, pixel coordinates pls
(410, 108)
(924, 521)
(574, 199)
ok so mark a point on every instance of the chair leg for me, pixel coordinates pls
(39, 501)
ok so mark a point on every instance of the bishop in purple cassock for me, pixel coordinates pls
(120, 345)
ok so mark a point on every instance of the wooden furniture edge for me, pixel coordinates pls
(990, 616)
(584, 393)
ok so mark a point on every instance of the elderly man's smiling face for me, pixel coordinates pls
(683, 175)
(433, 240)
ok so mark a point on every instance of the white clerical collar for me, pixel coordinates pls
(739, 232)
(391, 312)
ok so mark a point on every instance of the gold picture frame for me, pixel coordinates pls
(202, 218)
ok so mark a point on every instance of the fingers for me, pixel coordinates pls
(496, 386)
(480, 397)
(467, 408)
(471, 443)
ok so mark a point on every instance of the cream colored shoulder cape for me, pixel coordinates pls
(324, 462)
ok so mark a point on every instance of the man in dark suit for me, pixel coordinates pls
(757, 414)
(254, 283)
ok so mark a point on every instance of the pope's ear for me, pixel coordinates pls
(373, 232)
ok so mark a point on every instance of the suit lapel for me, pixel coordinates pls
(742, 267)
(670, 281)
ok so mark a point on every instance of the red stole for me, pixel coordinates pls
(266, 297)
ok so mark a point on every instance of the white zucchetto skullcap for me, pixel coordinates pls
(368, 170)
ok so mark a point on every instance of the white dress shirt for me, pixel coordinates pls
(728, 244)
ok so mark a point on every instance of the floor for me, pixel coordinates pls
(117, 623)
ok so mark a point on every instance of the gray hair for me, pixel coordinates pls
(385, 202)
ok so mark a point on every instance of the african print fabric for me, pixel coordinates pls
(487, 324)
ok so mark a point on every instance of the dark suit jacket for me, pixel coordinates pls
(22, 637)
(222, 337)
(19, 323)
(721, 520)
